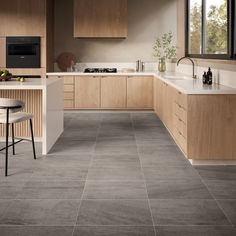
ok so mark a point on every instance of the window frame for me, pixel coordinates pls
(231, 28)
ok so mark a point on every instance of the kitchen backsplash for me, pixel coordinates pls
(224, 77)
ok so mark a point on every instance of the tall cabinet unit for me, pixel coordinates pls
(100, 19)
(28, 18)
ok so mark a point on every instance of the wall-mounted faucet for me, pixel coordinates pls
(194, 76)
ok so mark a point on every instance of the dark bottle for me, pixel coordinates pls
(204, 78)
(209, 76)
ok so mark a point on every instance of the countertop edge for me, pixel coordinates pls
(161, 76)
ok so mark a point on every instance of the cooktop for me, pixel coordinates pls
(100, 70)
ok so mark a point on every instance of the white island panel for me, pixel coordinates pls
(51, 101)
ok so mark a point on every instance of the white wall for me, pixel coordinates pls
(146, 20)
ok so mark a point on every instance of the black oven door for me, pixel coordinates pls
(23, 52)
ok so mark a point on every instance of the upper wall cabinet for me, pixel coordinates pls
(23, 17)
(100, 18)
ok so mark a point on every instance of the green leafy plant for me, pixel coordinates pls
(164, 47)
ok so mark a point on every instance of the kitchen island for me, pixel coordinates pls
(44, 99)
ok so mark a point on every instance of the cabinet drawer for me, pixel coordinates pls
(181, 140)
(183, 143)
(69, 80)
(68, 95)
(180, 112)
(180, 126)
(181, 99)
(68, 104)
(68, 88)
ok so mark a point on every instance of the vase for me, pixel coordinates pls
(162, 65)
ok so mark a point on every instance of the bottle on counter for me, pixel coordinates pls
(143, 66)
(209, 76)
(204, 78)
(138, 66)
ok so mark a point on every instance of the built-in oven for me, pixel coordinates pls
(23, 52)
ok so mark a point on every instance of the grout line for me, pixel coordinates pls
(90, 164)
(213, 197)
(149, 204)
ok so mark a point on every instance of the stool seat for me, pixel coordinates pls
(15, 117)
(10, 113)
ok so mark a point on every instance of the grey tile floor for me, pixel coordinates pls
(115, 174)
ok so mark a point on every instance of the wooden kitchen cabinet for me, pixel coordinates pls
(168, 98)
(140, 92)
(113, 92)
(23, 18)
(159, 85)
(164, 103)
(87, 92)
(69, 92)
(180, 110)
(28, 18)
(100, 19)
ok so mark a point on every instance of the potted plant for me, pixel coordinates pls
(164, 49)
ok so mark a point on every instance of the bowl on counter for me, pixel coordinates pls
(5, 78)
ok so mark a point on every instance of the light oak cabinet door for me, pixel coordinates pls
(159, 85)
(100, 18)
(23, 18)
(168, 106)
(140, 92)
(113, 92)
(87, 92)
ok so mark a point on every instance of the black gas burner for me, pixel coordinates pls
(100, 70)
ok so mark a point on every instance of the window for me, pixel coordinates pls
(210, 27)
(234, 24)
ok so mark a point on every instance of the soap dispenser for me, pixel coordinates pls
(209, 76)
(204, 78)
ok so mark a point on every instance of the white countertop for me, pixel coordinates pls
(29, 84)
(187, 85)
(101, 74)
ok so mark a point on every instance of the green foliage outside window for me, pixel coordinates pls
(215, 30)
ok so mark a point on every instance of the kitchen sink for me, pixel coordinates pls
(177, 77)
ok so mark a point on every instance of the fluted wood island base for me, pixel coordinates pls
(44, 99)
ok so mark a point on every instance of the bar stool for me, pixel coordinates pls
(10, 114)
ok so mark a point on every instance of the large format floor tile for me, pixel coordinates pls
(62, 147)
(170, 173)
(112, 161)
(113, 174)
(217, 172)
(114, 231)
(222, 189)
(35, 231)
(229, 208)
(52, 190)
(187, 212)
(41, 212)
(51, 173)
(182, 189)
(114, 212)
(116, 173)
(195, 231)
(115, 190)
(115, 150)
(10, 190)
